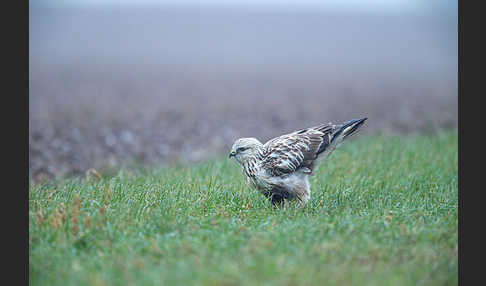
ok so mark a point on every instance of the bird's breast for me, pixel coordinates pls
(258, 178)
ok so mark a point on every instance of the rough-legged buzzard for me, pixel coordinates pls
(280, 168)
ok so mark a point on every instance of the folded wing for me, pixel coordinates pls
(298, 150)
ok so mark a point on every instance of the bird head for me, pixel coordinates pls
(244, 148)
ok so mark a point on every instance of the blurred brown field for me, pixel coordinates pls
(109, 87)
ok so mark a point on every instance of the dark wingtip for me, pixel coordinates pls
(355, 123)
(358, 120)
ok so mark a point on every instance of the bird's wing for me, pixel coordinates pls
(299, 149)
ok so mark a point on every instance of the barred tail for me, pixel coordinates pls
(346, 129)
(335, 134)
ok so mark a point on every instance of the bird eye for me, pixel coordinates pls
(241, 149)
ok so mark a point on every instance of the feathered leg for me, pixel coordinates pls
(275, 198)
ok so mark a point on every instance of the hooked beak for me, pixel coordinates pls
(232, 154)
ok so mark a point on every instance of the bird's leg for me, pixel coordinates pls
(275, 198)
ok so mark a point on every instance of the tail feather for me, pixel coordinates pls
(335, 134)
(347, 129)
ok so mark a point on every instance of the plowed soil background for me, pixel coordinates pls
(112, 88)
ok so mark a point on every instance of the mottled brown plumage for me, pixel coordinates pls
(280, 167)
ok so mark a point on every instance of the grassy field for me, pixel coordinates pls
(383, 211)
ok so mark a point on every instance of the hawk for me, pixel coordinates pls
(279, 169)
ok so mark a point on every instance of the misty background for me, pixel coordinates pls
(154, 82)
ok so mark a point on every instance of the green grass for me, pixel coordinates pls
(383, 211)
